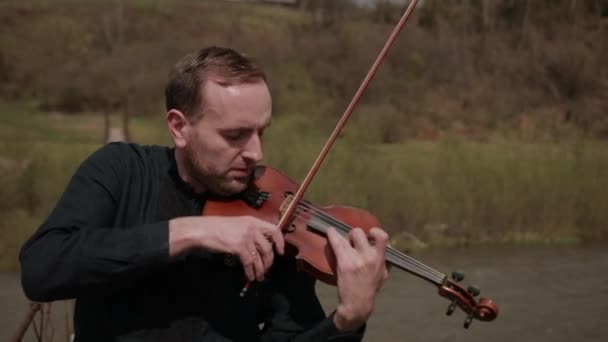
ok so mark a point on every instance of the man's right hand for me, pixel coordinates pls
(250, 238)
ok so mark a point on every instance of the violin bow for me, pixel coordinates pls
(297, 197)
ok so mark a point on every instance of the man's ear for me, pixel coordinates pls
(178, 126)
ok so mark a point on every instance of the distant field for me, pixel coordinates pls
(446, 191)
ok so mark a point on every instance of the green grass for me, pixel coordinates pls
(458, 191)
(450, 191)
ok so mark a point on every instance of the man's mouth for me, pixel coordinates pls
(240, 172)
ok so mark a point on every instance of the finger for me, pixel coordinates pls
(380, 238)
(265, 250)
(247, 262)
(385, 275)
(358, 239)
(339, 244)
(274, 234)
(258, 266)
(384, 278)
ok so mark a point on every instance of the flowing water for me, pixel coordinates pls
(543, 294)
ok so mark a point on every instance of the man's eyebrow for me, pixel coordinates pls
(238, 127)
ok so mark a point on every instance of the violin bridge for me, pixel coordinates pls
(283, 208)
(286, 202)
(312, 222)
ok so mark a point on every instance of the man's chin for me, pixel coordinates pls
(232, 187)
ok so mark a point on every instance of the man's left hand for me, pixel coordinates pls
(361, 271)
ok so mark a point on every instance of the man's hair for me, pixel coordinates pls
(188, 76)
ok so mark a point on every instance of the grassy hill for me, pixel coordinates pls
(445, 75)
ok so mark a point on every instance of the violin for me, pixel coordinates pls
(271, 192)
(273, 197)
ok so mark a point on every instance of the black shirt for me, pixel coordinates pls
(106, 244)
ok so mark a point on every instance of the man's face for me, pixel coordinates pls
(224, 146)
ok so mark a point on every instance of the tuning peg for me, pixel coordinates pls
(457, 276)
(474, 290)
(468, 321)
(451, 307)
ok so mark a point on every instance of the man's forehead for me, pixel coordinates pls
(232, 90)
(237, 119)
(213, 89)
(245, 105)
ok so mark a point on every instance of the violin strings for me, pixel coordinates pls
(312, 211)
(344, 228)
(405, 262)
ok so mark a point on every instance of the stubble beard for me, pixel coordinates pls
(207, 179)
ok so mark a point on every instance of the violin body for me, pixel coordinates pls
(268, 193)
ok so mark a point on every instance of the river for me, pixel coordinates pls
(543, 293)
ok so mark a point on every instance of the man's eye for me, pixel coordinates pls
(234, 135)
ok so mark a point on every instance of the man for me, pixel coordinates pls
(126, 239)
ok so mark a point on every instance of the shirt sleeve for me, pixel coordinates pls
(79, 248)
(296, 313)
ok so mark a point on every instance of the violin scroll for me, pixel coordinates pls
(483, 310)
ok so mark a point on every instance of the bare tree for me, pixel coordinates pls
(326, 13)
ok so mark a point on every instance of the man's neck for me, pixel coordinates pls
(184, 170)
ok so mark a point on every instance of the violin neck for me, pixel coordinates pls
(413, 266)
(319, 223)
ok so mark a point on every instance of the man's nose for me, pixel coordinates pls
(253, 149)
